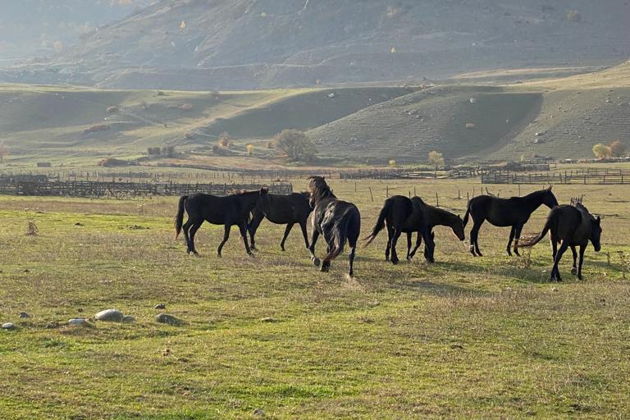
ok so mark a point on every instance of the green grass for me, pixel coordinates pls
(466, 337)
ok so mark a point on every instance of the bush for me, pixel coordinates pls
(296, 145)
(617, 148)
(601, 151)
(436, 159)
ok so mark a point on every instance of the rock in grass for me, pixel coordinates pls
(110, 315)
(8, 326)
(160, 306)
(259, 412)
(128, 319)
(168, 319)
(79, 322)
(24, 315)
(268, 319)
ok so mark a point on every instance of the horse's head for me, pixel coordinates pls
(318, 189)
(458, 228)
(596, 233)
(549, 199)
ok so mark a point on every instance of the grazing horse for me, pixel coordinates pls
(514, 212)
(231, 210)
(401, 214)
(572, 225)
(338, 221)
(434, 216)
(281, 209)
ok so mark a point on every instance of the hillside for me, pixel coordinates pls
(55, 123)
(40, 28)
(236, 44)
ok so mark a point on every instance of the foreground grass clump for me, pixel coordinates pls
(485, 337)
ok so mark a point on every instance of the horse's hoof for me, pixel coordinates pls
(574, 271)
(325, 268)
(316, 261)
(251, 254)
(395, 261)
(517, 253)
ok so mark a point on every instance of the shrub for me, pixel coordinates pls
(617, 148)
(601, 151)
(250, 149)
(296, 145)
(225, 140)
(392, 163)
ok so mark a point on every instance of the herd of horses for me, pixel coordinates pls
(339, 222)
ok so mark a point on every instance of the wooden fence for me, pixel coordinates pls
(588, 176)
(45, 187)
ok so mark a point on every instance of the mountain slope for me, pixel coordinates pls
(201, 44)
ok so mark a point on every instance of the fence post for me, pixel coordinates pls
(371, 195)
(437, 200)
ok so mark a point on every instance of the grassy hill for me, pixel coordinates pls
(242, 44)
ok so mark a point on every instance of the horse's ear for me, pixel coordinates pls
(264, 191)
(549, 188)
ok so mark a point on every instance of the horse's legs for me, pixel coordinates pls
(574, 269)
(286, 233)
(555, 272)
(193, 230)
(226, 236)
(582, 249)
(390, 234)
(243, 229)
(409, 245)
(394, 256)
(517, 235)
(509, 244)
(554, 247)
(474, 236)
(186, 228)
(415, 248)
(253, 228)
(311, 247)
(429, 246)
(304, 233)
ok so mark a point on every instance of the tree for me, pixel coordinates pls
(617, 148)
(250, 149)
(436, 159)
(601, 151)
(296, 145)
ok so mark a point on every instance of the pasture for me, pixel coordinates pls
(272, 336)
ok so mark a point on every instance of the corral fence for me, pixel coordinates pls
(583, 176)
(42, 186)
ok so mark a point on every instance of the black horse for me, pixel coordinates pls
(281, 209)
(401, 214)
(434, 216)
(572, 225)
(231, 210)
(338, 221)
(514, 212)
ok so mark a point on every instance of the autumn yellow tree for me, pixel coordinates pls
(601, 151)
(436, 159)
(617, 148)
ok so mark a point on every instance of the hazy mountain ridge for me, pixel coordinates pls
(197, 44)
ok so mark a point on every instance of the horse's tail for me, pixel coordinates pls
(533, 241)
(179, 217)
(467, 214)
(380, 223)
(339, 236)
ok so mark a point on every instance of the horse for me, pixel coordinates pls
(514, 212)
(401, 214)
(281, 209)
(338, 221)
(231, 210)
(435, 216)
(574, 226)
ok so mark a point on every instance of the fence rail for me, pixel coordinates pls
(45, 187)
(589, 176)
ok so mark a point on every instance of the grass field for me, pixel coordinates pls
(270, 335)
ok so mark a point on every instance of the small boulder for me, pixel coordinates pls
(268, 319)
(160, 306)
(8, 326)
(79, 322)
(24, 315)
(109, 315)
(168, 319)
(128, 319)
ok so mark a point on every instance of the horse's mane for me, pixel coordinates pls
(319, 189)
